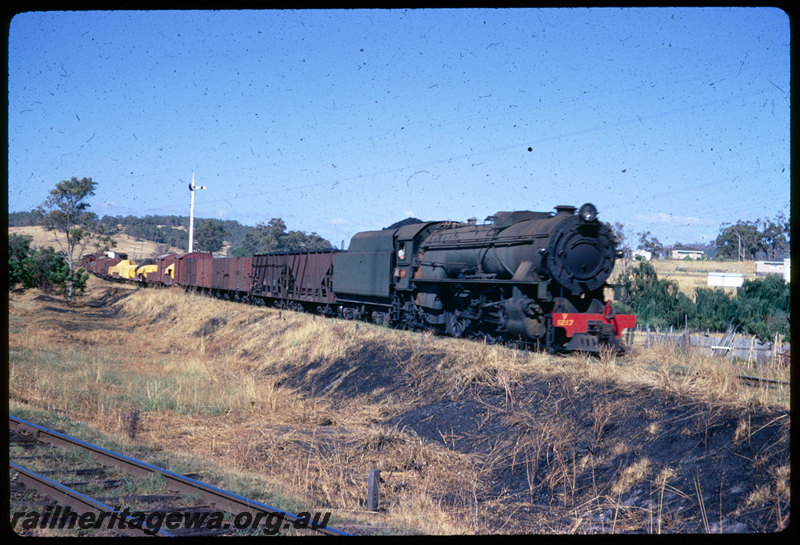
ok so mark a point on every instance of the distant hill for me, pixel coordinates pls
(135, 248)
(401, 223)
(153, 235)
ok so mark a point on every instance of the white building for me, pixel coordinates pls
(725, 280)
(683, 254)
(764, 268)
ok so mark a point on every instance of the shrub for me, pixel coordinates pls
(43, 268)
(714, 310)
(656, 302)
(761, 307)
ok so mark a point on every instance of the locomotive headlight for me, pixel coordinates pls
(588, 212)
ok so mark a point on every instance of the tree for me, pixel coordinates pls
(651, 244)
(763, 306)
(714, 310)
(403, 223)
(774, 239)
(738, 241)
(620, 241)
(66, 212)
(19, 246)
(620, 238)
(274, 238)
(209, 236)
(298, 241)
(264, 238)
(655, 302)
(23, 219)
(44, 268)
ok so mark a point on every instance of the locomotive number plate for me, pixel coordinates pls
(564, 321)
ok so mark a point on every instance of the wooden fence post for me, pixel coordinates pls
(685, 332)
(372, 489)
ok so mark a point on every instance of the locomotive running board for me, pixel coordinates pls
(541, 287)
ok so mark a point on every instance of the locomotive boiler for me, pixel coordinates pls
(536, 276)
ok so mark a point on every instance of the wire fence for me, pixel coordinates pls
(728, 344)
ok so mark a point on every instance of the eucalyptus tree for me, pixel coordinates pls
(66, 213)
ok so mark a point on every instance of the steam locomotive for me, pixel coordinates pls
(535, 277)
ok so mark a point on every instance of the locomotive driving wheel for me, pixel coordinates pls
(456, 325)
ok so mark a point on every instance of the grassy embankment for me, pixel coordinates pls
(268, 396)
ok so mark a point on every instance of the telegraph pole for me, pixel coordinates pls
(739, 236)
(192, 187)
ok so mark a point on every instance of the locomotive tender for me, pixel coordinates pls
(536, 277)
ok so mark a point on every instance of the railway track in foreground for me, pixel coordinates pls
(222, 512)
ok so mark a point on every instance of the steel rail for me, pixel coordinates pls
(767, 380)
(222, 499)
(119, 522)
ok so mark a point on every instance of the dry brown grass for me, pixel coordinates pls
(220, 381)
(630, 476)
(216, 392)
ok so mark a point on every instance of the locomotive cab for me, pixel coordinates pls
(407, 259)
(375, 276)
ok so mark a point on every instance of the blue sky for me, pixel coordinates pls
(670, 120)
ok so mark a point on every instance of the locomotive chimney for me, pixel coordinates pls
(565, 208)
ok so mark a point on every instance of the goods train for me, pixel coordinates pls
(535, 277)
